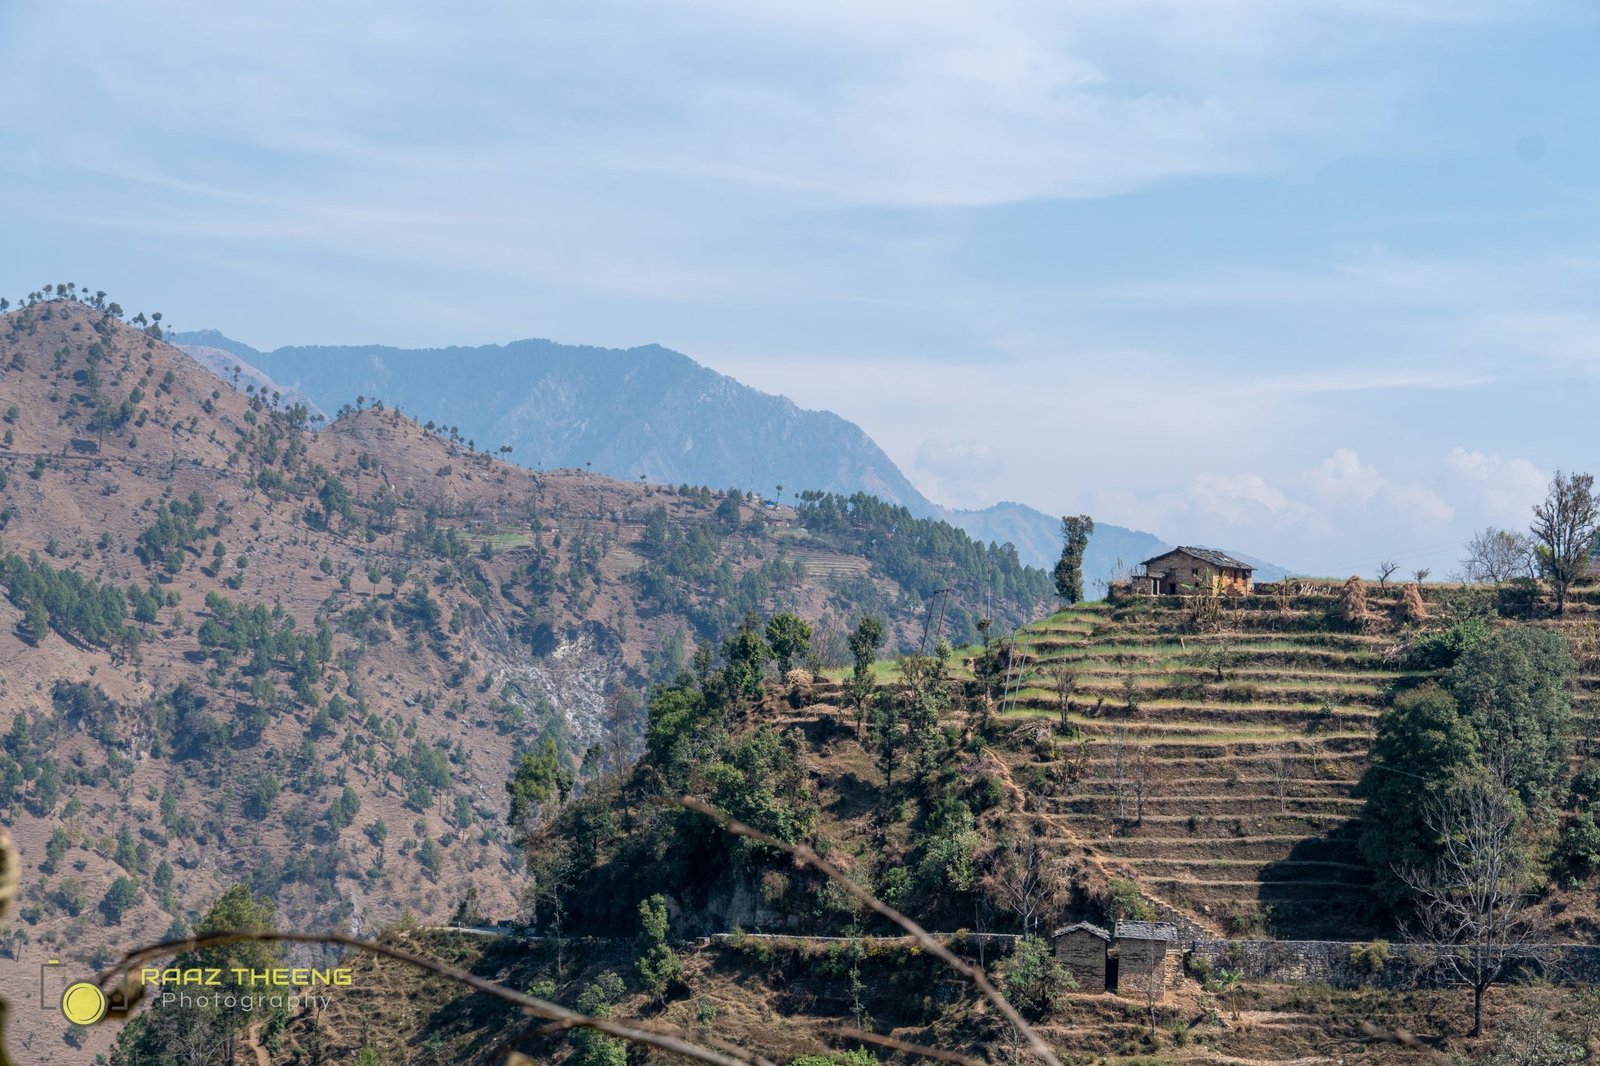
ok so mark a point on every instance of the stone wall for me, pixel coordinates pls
(1084, 956)
(1347, 964)
(1141, 963)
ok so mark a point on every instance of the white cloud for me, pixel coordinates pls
(1503, 490)
(1242, 498)
(1342, 482)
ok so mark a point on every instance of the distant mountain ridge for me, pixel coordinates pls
(653, 412)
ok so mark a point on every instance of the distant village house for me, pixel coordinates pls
(1140, 960)
(1081, 950)
(1147, 958)
(1182, 570)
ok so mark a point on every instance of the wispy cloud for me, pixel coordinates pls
(1239, 270)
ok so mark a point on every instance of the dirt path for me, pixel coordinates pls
(252, 1042)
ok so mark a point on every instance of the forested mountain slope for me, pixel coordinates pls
(651, 411)
(236, 649)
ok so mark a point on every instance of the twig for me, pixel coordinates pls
(806, 857)
(896, 1044)
(529, 1004)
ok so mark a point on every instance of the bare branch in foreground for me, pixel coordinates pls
(896, 1044)
(529, 1004)
(806, 857)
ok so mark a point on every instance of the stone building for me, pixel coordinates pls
(1081, 949)
(1168, 574)
(1147, 956)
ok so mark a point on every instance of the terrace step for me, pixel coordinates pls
(1270, 847)
(1107, 830)
(1230, 871)
(1237, 806)
(1244, 787)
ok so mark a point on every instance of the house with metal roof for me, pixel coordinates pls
(1185, 569)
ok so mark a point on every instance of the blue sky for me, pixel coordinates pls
(1312, 280)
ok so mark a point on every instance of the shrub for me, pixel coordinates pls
(659, 967)
(986, 793)
(1370, 958)
(1441, 649)
(1579, 848)
(1035, 981)
(1124, 903)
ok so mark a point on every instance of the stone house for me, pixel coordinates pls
(1168, 574)
(1081, 949)
(1147, 958)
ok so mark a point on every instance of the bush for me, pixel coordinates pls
(1124, 902)
(1370, 958)
(986, 794)
(1579, 848)
(1035, 981)
(1441, 649)
(659, 968)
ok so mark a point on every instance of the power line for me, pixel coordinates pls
(1387, 556)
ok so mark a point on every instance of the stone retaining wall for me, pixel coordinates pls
(1354, 964)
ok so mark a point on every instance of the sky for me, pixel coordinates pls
(1313, 281)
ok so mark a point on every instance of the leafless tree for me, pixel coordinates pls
(1282, 769)
(1219, 656)
(1143, 768)
(1498, 555)
(1421, 575)
(1026, 878)
(1566, 526)
(1473, 900)
(1117, 768)
(1066, 683)
(1386, 570)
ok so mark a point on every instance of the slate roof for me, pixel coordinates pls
(1087, 927)
(1147, 931)
(1206, 555)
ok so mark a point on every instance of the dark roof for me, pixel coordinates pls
(1147, 931)
(1085, 927)
(1215, 558)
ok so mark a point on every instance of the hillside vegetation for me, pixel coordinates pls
(241, 649)
(1191, 761)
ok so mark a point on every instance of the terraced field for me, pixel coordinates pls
(1215, 769)
(820, 563)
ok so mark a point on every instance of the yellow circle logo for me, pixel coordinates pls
(83, 1003)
